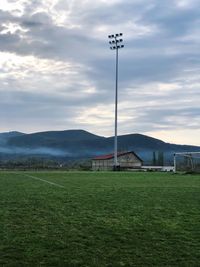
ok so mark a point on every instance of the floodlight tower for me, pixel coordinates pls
(115, 44)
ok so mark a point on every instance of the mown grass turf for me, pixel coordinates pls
(99, 219)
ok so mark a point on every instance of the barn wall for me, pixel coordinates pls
(129, 160)
(125, 161)
(100, 165)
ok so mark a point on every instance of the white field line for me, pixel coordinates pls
(48, 182)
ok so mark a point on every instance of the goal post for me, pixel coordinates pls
(187, 162)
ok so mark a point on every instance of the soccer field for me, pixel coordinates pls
(99, 219)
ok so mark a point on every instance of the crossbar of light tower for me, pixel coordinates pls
(116, 44)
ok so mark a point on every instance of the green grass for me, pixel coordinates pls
(99, 219)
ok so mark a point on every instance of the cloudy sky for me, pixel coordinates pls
(57, 71)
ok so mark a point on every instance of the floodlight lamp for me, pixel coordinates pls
(121, 34)
(122, 46)
(121, 40)
(116, 34)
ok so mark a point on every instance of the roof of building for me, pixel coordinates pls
(119, 154)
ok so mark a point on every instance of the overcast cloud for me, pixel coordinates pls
(57, 72)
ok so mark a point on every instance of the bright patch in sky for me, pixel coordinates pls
(16, 7)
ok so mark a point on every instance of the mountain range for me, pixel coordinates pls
(73, 144)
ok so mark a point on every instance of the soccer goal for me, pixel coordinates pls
(187, 162)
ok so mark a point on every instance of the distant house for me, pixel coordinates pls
(126, 160)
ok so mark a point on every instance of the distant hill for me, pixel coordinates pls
(52, 139)
(11, 134)
(4, 137)
(80, 143)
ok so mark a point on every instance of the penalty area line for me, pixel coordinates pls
(43, 180)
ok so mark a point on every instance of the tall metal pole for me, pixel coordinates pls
(174, 162)
(115, 46)
(116, 106)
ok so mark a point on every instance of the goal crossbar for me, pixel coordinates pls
(187, 153)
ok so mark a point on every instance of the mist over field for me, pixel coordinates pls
(34, 151)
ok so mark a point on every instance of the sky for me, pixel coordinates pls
(58, 73)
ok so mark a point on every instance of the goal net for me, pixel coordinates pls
(187, 162)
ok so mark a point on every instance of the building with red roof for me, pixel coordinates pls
(126, 160)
